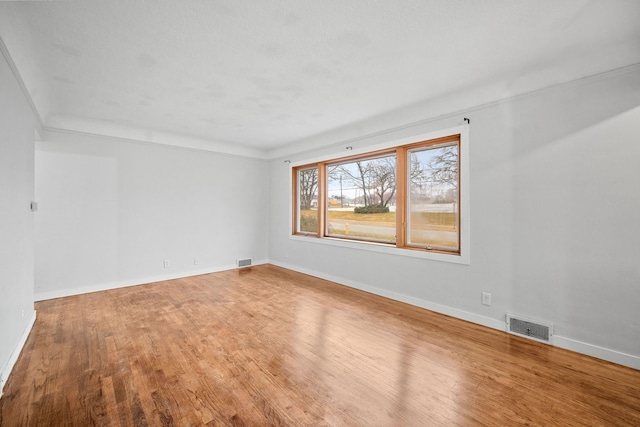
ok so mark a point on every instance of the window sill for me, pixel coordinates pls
(463, 258)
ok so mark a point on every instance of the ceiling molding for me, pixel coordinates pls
(339, 137)
(23, 87)
(265, 77)
(177, 142)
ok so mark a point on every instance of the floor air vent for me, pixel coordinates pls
(530, 328)
(244, 262)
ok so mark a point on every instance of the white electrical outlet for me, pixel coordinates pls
(486, 298)
(167, 264)
(196, 261)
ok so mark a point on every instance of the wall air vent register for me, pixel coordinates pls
(529, 328)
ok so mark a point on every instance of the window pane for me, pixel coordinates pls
(433, 204)
(361, 197)
(307, 209)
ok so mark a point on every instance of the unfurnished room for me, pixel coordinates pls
(320, 213)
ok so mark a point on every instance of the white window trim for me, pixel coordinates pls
(465, 234)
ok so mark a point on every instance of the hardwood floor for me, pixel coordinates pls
(268, 346)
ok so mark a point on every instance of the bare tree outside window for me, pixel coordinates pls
(308, 183)
(433, 197)
(443, 167)
(371, 184)
(307, 220)
(410, 201)
(375, 178)
(383, 178)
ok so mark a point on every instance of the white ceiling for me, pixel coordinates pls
(264, 74)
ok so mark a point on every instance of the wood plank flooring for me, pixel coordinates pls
(265, 346)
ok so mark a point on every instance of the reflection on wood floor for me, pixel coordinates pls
(268, 346)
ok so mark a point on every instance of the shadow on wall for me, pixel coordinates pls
(575, 179)
(547, 116)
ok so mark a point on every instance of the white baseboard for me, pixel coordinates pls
(41, 296)
(6, 370)
(598, 352)
(558, 341)
(438, 308)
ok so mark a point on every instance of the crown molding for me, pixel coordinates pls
(380, 125)
(23, 87)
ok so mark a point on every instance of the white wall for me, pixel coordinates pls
(110, 212)
(16, 219)
(555, 202)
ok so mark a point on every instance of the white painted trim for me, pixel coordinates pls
(337, 137)
(598, 352)
(465, 198)
(609, 355)
(167, 140)
(438, 308)
(6, 370)
(41, 296)
(392, 142)
(592, 350)
(23, 87)
(381, 248)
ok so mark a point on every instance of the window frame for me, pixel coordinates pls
(401, 148)
(431, 144)
(296, 202)
(322, 227)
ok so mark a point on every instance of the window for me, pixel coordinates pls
(406, 196)
(361, 194)
(432, 200)
(307, 206)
